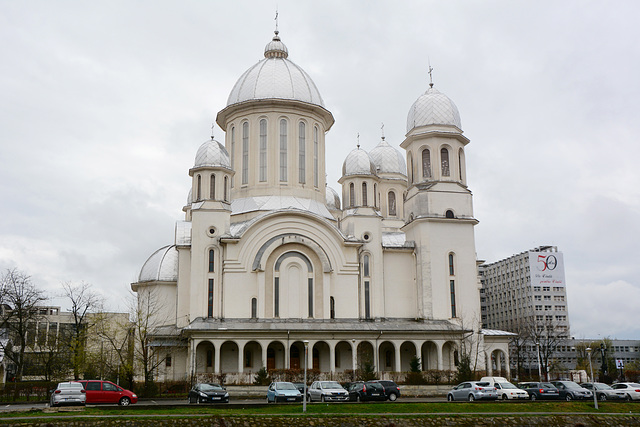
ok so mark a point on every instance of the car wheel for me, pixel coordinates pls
(504, 396)
(533, 396)
(322, 398)
(471, 398)
(358, 399)
(125, 401)
(268, 401)
(568, 398)
(393, 397)
(309, 398)
(628, 398)
(602, 397)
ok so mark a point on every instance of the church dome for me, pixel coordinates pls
(161, 266)
(433, 108)
(275, 77)
(333, 200)
(388, 159)
(358, 162)
(212, 154)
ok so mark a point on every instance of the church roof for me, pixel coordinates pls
(333, 200)
(161, 266)
(387, 159)
(213, 154)
(272, 203)
(433, 108)
(275, 77)
(358, 162)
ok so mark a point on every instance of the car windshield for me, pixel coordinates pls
(548, 385)
(483, 384)
(571, 385)
(330, 384)
(507, 385)
(210, 387)
(285, 386)
(603, 386)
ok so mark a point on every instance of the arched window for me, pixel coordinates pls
(210, 299)
(375, 195)
(263, 150)
(444, 159)
(283, 150)
(315, 155)
(245, 153)
(426, 163)
(302, 170)
(198, 188)
(365, 266)
(352, 195)
(451, 270)
(392, 203)
(449, 214)
(233, 150)
(254, 308)
(332, 308)
(364, 194)
(226, 189)
(211, 260)
(410, 167)
(212, 187)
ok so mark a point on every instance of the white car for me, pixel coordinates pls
(327, 391)
(68, 393)
(631, 390)
(506, 390)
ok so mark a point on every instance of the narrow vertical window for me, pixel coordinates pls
(315, 156)
(210, 299)
(263, 150)
(245, 153)
(364, 194)
(451, 271)
(460, 164)
(198, 188)
(226, 189)
(209, 358)
(352, 195)
(332, 308)
(375, 195)
(211, 260)
(310, 295)
(276, 297)
(426, 163)
(367, 305)
(212, 187)
(233, 150)
(392, 203)
(254, 308)
(283, 150)
(444, 158)
(452, 285)
(302, 170)
(410, 167)
(365, 265)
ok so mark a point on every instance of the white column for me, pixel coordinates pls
(264, 345)
(439, 351)
(332, 356)
(241, 345)
(507, 364)
(354, 355)
(216, 356)
(398, 356)
(490, 365)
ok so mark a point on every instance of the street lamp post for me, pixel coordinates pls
(595, 398)
(539, 363)
(304, 397)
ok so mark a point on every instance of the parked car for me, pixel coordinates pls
(300, 387)
(208, 393)
(631, 390)
(327, 391)
(68, 393)
(570, 390)
(391, 389)
(505, 389)
(537, 390)
(604, 391)
(107, 392)
(472, 390)
(282, 391)
(366, 390)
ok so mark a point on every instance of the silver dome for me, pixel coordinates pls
(358, 162)
(275, 77)
(190, 197)
(213, 154)
(333, 200)
(161, 266)
(387, 159)
(433, 108)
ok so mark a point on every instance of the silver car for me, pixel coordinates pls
(68, 393)
(473, 390)
(327, 391)
(604, 391)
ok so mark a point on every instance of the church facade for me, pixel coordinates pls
(269, 258)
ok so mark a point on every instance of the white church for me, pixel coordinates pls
(268, 258)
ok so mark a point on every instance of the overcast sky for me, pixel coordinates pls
(103, 105)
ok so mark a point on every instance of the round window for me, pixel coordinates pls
(211, 231)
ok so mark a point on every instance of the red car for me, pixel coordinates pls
(107, 392)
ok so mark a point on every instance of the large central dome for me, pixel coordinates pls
(275, 77)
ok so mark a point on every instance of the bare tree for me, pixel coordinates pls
(118, 338)
(84, 301)
(20, 303)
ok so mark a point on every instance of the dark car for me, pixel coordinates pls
(391, 389)
(546, 391)
(572, 391)
(208, 393)
(99, 391)
(364, 391)
(300, 387)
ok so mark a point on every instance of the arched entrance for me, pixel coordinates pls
(429, 356)
(205, 356)
(344, 357)
(407, 352)
(252, 354)
(387, 357)
(275, 356)
(229, 357)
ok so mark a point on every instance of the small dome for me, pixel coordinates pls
(333, 200)
(212, 154)
(358, 162)
(161, 266)
(190, 196)
(387, 159)
(433, 108)
(275, 77)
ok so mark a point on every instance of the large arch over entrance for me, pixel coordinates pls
(252, 357)
(387, 357)
(275, 356)
(204, 359)
(429, 356)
